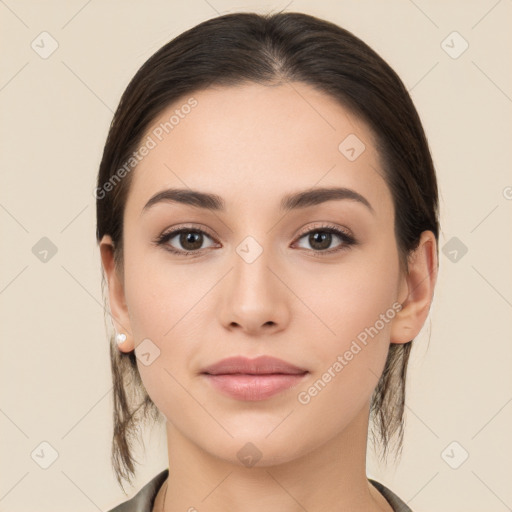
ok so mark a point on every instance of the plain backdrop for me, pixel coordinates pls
(64, 68)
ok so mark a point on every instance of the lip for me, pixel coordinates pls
(253, 379)
(262, 365)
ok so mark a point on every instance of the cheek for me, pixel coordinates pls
(158, 293)
(349, 363)
(351, 297)
(352, 339)
(165, 308)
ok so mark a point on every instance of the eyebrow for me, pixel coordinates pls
(293, 201)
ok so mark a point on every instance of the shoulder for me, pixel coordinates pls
(397, 504)
(144, 499)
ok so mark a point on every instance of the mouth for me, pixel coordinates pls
(262, 365)
(253, 387)
(253, 379)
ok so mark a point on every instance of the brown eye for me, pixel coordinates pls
(191, 240)
(184, 240)
(321, 238)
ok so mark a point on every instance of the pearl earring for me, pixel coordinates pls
(120, 338)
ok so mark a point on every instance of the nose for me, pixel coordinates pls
(253, 295)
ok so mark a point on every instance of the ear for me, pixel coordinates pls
(118, 308)
(416, 290)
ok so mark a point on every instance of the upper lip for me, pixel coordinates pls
(262, 365)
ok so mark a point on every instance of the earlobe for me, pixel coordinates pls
(116, 296)
(417, 290)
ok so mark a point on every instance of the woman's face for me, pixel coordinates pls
(260, 279)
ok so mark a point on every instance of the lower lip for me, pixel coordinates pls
(254, 387)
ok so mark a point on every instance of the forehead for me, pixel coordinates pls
(253, 141)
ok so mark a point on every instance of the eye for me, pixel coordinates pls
(190, 239)
(321, 237)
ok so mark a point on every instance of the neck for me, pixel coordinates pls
(327, 477)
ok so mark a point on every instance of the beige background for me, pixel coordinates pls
(55, 375)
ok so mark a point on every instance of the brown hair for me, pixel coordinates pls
(271, 49)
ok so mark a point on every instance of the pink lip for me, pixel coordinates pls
(253, 379)
(258, 366)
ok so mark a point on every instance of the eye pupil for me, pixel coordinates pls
(320, 237)
(192, 237)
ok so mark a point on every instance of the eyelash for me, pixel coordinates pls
(346, 238)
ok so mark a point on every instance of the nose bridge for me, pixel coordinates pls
(254, 253)
(252, 294)
(252, 277)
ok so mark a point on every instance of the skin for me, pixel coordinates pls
(251, 145)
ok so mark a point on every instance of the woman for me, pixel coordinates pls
(267, 215)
